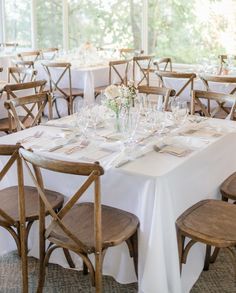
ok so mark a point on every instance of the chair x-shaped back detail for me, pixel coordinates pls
(118, 71)
(188, 77)
(54, 82)
(143, 65)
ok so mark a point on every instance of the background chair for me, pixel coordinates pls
(29, 56)
(14, 91)
(85, 228)
(128, 53)
(158, 91)
(210, 80)
(21, 74)
(23, 64)
(20, 207)
(218, 110)
(224, 59)
(49, 53)
(118, 74)
(28, 103)
(164, 64)
(211, 222)
(141, 69)
(11, 46)
(58, 72)
(187, 79)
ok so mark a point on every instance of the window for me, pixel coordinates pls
(189, 31)
(17, 22)
(114, 23)
(49, 23)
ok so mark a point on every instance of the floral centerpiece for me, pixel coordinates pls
(119, 97)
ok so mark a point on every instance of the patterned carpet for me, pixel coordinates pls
(219, 279)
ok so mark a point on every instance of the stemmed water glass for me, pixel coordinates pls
(179, 111)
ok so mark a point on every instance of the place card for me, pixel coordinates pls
(174, 150)
(97, 155)
(202, 133)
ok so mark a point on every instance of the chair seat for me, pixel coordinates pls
(228, 187)
(210, 221)
(5, 125)
(9, 202)
(117, 226)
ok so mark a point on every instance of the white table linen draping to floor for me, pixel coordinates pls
(157, 188)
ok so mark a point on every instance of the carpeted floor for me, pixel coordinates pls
(219, 279)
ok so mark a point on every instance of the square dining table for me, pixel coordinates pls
(157, 187)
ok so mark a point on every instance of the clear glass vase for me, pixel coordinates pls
(117, 124)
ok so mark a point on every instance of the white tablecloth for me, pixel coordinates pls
(157, 188)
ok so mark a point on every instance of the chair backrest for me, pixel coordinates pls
(57, 73)
(207, 79)
(17, 90)
(223, 60)
(118, 71)
(29, 56)
(141, 69)
(12, 151)
(129, 52)
(23, 64)
(219, 100)
(49, 53)
(187, 78)
(29, 103)
(9, 46)
(92, 171)
(21, 74)
(166, 64)
(166, 93)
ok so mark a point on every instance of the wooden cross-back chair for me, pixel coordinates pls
(49, 53)
(58, 91)
(166, 93)
(127, 52)
(21, 74)
(223, 59)
(141, 66)
(164, 64)
(84, 228)
(20, 206)
(115, 73)
(29, 56)
(13, 46)
(217, 111)
(209, 80)
(23, 64)
(29, 103)
(118, 74)
(188, 79)
(211, 223)
(14, 91)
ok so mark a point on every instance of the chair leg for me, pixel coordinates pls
(214, 254)
(85, 268)
(24, 262)
(132, 243)
(180, 239)
(68, 258)
(207, 258)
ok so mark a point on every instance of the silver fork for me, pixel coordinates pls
(36, 135)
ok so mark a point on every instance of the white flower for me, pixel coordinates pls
(112, 92)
